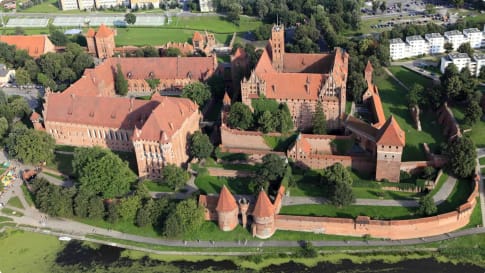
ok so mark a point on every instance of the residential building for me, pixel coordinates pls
(436, 43)
(35, 45)
(417, 45)
(397, 49)
(68, 4)
(462, 60)
(101, 43)
(206, 6)
(300, 81)
(473, 36)
(86, 4)
(107, 3)
(144, 3)
(6, 75)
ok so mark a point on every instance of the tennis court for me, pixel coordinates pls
(27, 22)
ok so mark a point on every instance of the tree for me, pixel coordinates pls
(473, 113)
(458, 3)
(121, 84)
(130, 18)
(172, 52)
(186, 218)
(96, 208)
(200, 145)
(427, 206)
(128, 208)
(30, 146)
(94, 168)
(451, 82)
(338, 181)
(448, 47)
(198, 92)
(19, 31)
(285, 123)
(150, 51)
(3, 127)
(240, 116)
(430, 9)
(271, 169)
(145, 214)
(22, 77)
(112, 215)
(415, 95)
(267, 122)
(174, 176)
(319, 120)
(383, 7)
(58, 38)
(357, 85)
(462, 156)
(375, 6)
(81, 204)
(466, 48)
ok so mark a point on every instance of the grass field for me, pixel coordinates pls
(476, 218)
(62, 163)
(409, 78)
(27, 252)
(28, 196)
(457, 197)
(155, 186)
(440, 184)
(15, 202)
(12, 212)
(477, 130)
(394, 103)
(212, 184)
(375, 212)
(481, 160)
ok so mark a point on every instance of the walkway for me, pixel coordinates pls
(481, 184)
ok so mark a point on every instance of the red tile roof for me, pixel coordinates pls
(34, 44)
(104, 31)
(368, 72)
(166, 118)
(90, 33)
(226, 201)
(161, 114)
(197, 37)
(307, 63)
(240, 53)
(377, 107)
(293, 85)
(35, 116)
(263, 207)
(391, 134)
(226, 100)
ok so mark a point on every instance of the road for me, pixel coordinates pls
(481, 184)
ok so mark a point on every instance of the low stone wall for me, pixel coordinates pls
(229, 173)
(391, 229)
(236, 139)
(447, 120)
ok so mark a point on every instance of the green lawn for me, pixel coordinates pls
(409, 78)
(28, 252)
(457, 197)
(15, 202)
(65, 148)
(476, 218)
(27, 195)
(212, 184)
(375, 212)
(51, 6)
(5, 219)
(12, 212)
(53, 175)
(481, 161)
(477, 131)
(155, 186)
(440, 184)
(394, 103)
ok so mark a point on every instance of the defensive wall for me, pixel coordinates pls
(391, 229)
(447, 120)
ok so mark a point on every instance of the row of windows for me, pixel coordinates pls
(111, 135)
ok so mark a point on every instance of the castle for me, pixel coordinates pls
(300, 81)
(101, 43)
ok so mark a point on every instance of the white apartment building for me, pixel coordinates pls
(462, 60)
(68, 4)
(86, 4)
(417, 45)
(436, 43)
(107, 3)
(456, 38)
(474, 37)
(206, 6)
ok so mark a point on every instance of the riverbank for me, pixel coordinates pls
(29, 252)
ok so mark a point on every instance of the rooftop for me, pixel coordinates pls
(471, 30)
(33, 44)
(453, 33)
(432, 36)
(414, 38)
(479, 56)
(458, 55)
(396, 41)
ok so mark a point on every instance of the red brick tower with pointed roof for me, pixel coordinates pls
(227, 210)
(263, 217)
(101, 43)
(389, 145)
(368, 72)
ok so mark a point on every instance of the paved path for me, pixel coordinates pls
(481, 184)
(445, 190)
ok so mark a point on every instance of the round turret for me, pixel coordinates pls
(263, 217)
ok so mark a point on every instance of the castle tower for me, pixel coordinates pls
(369, 69)
(227, 210)
(264, 217)
(389, 146)
(277, 43)
(90, 41)
(243, 208)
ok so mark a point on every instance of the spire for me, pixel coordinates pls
(263, 207)
(226, 202)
